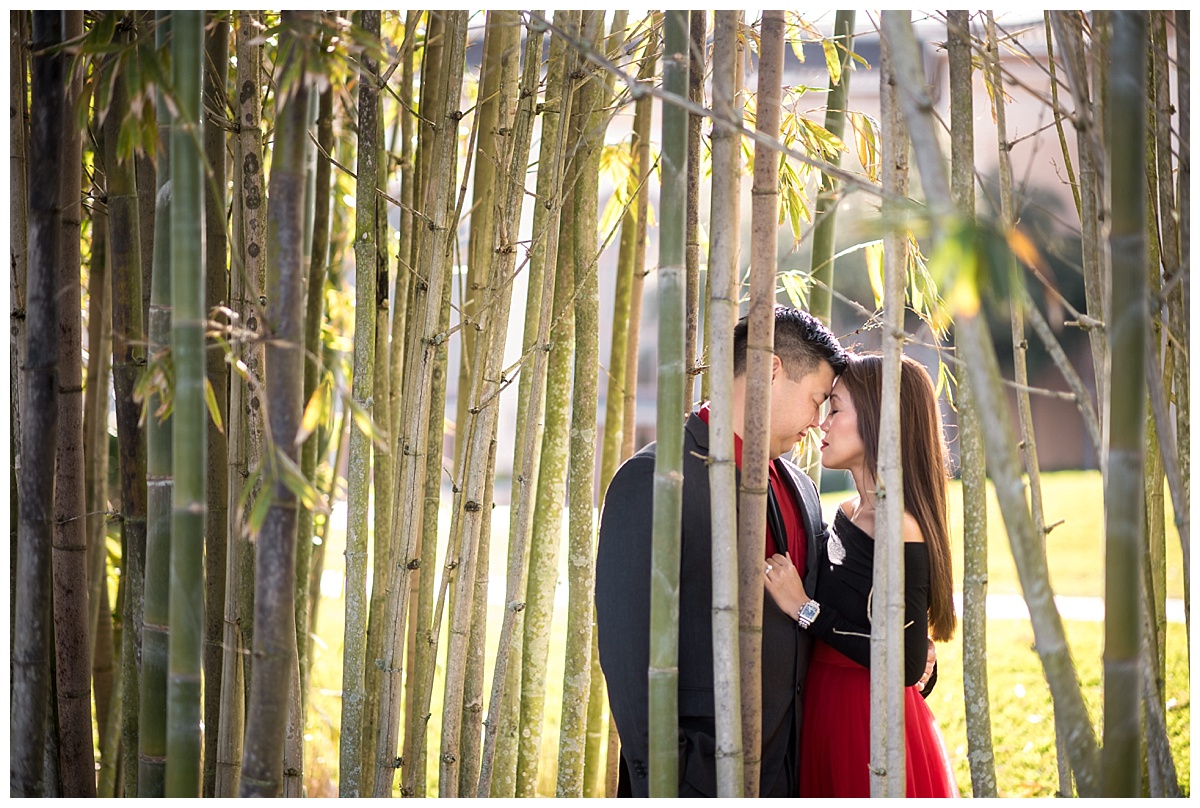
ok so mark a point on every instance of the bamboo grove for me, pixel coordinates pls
(266, 288)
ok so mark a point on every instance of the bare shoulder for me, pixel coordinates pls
(911, 530)
(848, 506)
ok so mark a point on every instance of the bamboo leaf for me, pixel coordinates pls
(210, 398)
(316, 409)
(833, 60)
(295, 481)
(873, 254)
(262, 506)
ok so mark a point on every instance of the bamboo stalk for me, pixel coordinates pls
(350, 745)
(39, 410)
(551, 480)
(274, 601)
(415, 429)
(980, 360)
(971, 451)
(888, 775)
(723, 311)
(1120, 754)
(697, 33)
(668, 478)
(216, 274)
(70, 571)
(152, 698)
(18, 230)
(752, 494)
(581, 531)
(189, 458)
(497, 775)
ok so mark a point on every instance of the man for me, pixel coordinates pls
(807, 358)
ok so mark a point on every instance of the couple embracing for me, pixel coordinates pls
(817, 580)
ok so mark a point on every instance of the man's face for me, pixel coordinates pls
(796, 404)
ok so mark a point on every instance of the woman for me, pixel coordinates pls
(835, 744)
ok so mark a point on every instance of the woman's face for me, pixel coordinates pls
(842, 447)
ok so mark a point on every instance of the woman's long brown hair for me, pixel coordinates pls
(923, 464)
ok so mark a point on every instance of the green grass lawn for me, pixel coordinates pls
(1022, 718)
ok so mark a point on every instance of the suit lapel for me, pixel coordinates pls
(814, 525)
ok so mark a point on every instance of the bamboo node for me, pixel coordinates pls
(414, 564)
(448, 757)
(472, 506)
(517, 606)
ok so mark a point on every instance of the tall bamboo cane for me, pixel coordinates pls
(598, 720)
(350, 745)
(498, 766)
(888, 775)
(697, 33)
(189, 460)
(152, 699)
(414, 431)
(752, 495)
(274, 605)
(216, 370)
(129, 355)
(971, 450)
(551, 482)
(18, 228)
(980, 359)
(672, 374)
(1120, 754)
(723, 308)
(70, 572)
(31, 647)
(581, 532)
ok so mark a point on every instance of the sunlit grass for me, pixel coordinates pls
(1022, 718)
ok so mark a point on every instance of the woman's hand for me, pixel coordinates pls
(783, 583)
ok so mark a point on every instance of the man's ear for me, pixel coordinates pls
(776, 366)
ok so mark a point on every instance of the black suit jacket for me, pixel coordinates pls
(623, 623)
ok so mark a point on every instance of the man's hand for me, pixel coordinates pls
(930, 661)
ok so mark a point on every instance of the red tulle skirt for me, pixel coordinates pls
(836, 737)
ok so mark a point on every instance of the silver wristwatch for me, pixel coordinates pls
(808, 613)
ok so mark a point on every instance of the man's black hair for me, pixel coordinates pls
(802, 342)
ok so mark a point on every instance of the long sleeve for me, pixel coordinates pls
(853, 638)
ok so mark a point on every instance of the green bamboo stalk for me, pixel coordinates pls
(383, 469)
(824, 237)
(106, 785)
(752, 494)
(129, 355)
(313, 318)
(668, 463)
(980, 360)
(498, 767)
(70, 571)
(426, 549)
(511, 154)
(358, 479)
(189, 458)
(152, 735)
(597, 716)
(415, 429)
(216, 370)
(551, 488)
(641, 128)
(31, 649)
(971, 451)
(274, 602)
(1120, 754)
(581, 523)
(722, 314)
